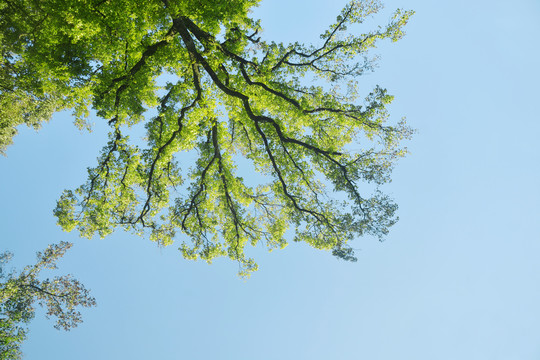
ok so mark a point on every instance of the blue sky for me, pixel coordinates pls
(457, 278)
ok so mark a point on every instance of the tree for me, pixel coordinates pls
(18, 292)
(219, 91)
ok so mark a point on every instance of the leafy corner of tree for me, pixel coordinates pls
(290, 111)
(61, 296)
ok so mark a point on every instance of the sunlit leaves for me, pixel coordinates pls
(238, 104)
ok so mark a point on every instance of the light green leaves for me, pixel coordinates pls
(231, 98)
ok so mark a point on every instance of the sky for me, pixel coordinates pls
(458, 277)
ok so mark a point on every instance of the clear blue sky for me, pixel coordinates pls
(457, 278)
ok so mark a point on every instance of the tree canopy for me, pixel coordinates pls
(290, 112)
(61, 295)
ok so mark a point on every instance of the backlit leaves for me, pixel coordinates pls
(237, 103)
(61, 296)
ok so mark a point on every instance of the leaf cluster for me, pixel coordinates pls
(61, 296)
(228, 95)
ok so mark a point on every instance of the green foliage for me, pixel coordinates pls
(229, 95)
(61, 296)
(24, 97)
